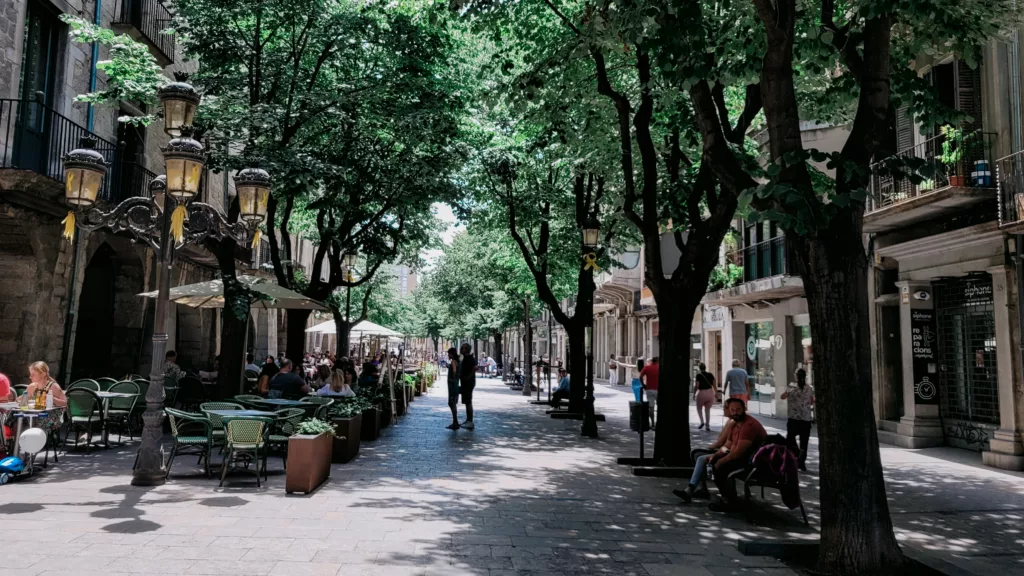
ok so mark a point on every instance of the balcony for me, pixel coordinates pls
(1010, 181)
(145, 21)
(767, 275)
(129, 178)
(940, 176)
(34, 139)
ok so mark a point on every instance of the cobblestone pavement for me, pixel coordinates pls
(521, 495)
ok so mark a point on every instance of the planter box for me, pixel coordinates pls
(400, 402)
(957, 181)
(370, 429)
(309, 462)
(417, 391)
(385, 414)
(346, 438)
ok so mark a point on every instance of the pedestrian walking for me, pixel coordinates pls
(453, 387)
(800, 401)
(613, 371)
(737, 382)
(704, 394)
(637, 384)
(467, 372)
(649, 380)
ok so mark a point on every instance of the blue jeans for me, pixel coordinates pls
(700, 471)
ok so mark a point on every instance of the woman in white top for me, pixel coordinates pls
(340, 385)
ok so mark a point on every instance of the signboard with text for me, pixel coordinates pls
(924, 343)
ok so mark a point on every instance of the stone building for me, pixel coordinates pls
(75, 307)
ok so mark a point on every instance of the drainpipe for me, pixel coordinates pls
(1018, 265)
(69, 314)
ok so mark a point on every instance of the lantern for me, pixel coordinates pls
(349, 258)
(253, 187)
(184, 159)
(179, 100)
(591, 231)
(158, 191)
(84, 169)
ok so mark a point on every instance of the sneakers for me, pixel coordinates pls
(468, 424)
(684, 495)
(453, 426)
(702, 493)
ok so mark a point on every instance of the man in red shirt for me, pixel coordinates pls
(649, 382)
(745, 437)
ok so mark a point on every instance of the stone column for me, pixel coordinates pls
(920, 426)
(1005, 449)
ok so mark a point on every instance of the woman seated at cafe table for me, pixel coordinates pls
(39, 374)
(340, 385)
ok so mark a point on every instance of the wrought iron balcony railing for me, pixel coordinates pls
(951, 159)
(763, 260)
(129, 178)
(150, 18)
(36, 138)
(1010, 180)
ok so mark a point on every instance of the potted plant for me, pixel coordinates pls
(309, 456)
(371, 417)
(401, 399)
(347, 419)
(953, 145)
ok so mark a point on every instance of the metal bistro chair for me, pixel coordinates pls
(105, 383)
(85, 412)
(84, 384)
(135, 418)
(249, 401)
(251, 380)
(20, 389)
(191, 393)
(192, 433)
(285, 425)
(218, 424)
(324, 403)
(119, 410)
(246, 439)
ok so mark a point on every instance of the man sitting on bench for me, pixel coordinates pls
(735, 447)
(562, 392)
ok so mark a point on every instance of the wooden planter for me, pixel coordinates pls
(385, 414)
(370, 428)
(401, 401)
(309, 462)
(346, 438)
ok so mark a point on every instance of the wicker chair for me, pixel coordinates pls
(246, 438)
(86, 412)
(119, 411)
(218, 424)
(286, 423)
(84, 384)
(193, 434)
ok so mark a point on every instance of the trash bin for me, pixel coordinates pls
(639, 412)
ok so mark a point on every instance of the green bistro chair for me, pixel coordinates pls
(85, 384)
(85, 414)
(140, 406)
(192, 434)
(20, 389)
(105, 383)
(218, 424)
(246, 438)
(322, 403)
(249, 401)
(286, 423)
(119, 410)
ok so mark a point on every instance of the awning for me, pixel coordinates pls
(211, 295)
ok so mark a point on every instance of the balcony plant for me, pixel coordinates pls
(309, 456)
(953, 145)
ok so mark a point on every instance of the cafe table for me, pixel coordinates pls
(280, 403)
(226, 415)
(26, 418)
(106, 397)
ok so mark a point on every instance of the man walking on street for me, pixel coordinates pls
(737, 382)
(467, 372)
(649, 380)
(453, 387)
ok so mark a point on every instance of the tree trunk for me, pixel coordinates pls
(342, 328)
(672, 435)
(233, 325)
(528, 375)
(577, 365)
(856, 529)
(296, 345)
(498, 354)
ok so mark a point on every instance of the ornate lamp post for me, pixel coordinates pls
(164, 221)
(591, 234)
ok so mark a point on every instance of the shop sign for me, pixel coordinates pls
(977, 291)
(923, 343)
(714, 317)
(751, 347)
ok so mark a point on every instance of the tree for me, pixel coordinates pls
(352, 109)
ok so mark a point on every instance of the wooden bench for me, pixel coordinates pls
(751, 479)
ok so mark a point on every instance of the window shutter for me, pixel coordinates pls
(968, 94)
(904, 129)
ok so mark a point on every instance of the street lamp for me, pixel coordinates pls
(253, 186)
(591, 233)
(149, 220)
(349, 258)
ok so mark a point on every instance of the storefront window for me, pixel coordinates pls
(761, 365)
(803, 351)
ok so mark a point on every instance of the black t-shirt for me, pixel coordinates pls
(287, 383)
(468, 370)
(269, 369)
(705, 381)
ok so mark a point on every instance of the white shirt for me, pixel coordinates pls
(252, 367)
(346, 390)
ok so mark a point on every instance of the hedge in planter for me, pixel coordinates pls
(309, 456)
(347, 419)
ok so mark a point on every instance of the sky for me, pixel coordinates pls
(443, 213)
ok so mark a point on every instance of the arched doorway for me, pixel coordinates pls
(95, 330)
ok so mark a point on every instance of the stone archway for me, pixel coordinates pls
(92, 354)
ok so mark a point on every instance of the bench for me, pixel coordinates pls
(751, 479)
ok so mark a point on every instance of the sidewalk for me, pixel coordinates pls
(943, 500)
